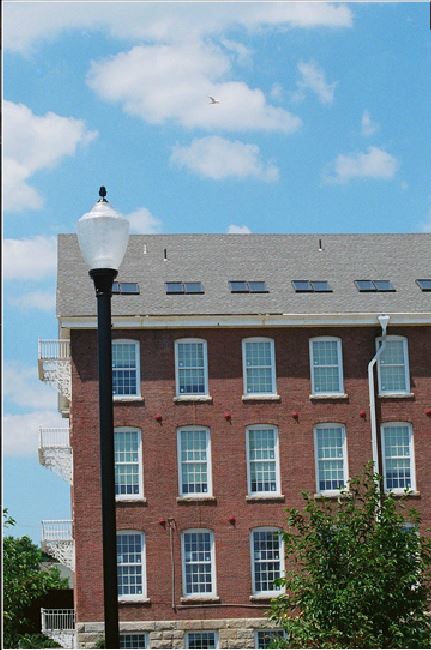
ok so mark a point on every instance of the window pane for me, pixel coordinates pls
(201, 640)
(320, 285)
(191, 368)
(266, 558)
(330, 458)
(198, 562)
(127, 462)
(383, 285)
(193, 287)
(133, 641)
(262, 460)
(238, 286)
(129, 564)
(259, 367)
(265, 637)
(397, 456)
(124, 373)
(174, 287)
(326, 368)
(302, 285)
(392, 367)
(194, 462)
(257, 286)
(365, 285)
(425, 285)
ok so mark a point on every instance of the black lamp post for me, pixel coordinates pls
(103, 235)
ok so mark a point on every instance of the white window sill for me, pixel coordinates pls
(328, 396)
(131, 499)
(134, 601)
(403, 493)
(260, 397)
(185, 600)
(193, 398)
(396, 395)
(127, 398)
(264, 497)
(197, 499)
(267, 596)
(335, 494)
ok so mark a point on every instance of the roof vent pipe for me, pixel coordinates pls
(383, 320)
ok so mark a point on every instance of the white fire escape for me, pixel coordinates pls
(55, 368)
(55, 452)
(57, 541)
(59, 625)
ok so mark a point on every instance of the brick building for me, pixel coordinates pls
(241, 377)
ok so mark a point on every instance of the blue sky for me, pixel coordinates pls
(323, 125)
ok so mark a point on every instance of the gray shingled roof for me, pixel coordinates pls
(277, 259)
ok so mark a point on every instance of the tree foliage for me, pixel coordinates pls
(356, 575)
(23, 582)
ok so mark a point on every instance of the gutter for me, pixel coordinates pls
(383, 320)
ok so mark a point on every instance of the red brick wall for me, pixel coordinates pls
(228, 451)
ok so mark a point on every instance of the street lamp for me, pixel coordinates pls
(103, 235)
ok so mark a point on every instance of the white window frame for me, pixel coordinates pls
(132, 497)
(330, 425)
(137, 369)
(216, 636)
(143, 595)
(281, 633)
(177, 369)
(258, 427)
(194, 427)
(259, 339)
(406, 390)
(412, 487)
(340, 390)
(273, 592)
(202, 595)
(144, 634)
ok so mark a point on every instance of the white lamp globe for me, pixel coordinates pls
(103, 235)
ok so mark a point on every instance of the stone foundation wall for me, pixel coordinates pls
(232, 632)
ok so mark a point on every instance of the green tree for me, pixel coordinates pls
(357, 574)
(23, 582)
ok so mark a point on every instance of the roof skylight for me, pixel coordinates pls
(247, 286)
(181, 288)
(425, 285)
(374, 285)
(125, 288)
(310, 286)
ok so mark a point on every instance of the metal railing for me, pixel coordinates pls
(57, 530)
(54, 437)
(58, 620)
(53, 349)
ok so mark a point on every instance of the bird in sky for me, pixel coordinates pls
(214, 101)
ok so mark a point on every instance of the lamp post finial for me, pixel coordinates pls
(102, 194)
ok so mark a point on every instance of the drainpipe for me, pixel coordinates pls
(383, 320)
(172, 526)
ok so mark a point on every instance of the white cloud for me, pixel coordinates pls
(368, 126)
(23, 388)
(233, 229)
(313, 78)
(143, 222)
(277, 92)
(375, 163)
(21, 432)
(28, 259)
(32, 143)
(218, 158)
(41, 300)
(27, 23)
(160, 83)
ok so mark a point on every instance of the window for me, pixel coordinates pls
(194, 460)
(201, 640)
(393, 366)
(180, 288)
(125, 288)
(128, 463)
(398, 456)
(263, 463)
(198, 563)
(331, 458)
(131, 565)
(191, 367)
(308, 286)
(264, 638)
(326, 366)
(125, 369)
(258, 367)
(133, 640)
(247, 286)
(425, 285)
(267, 560)
(374, 285)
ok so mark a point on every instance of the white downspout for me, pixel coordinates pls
(383, 320)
